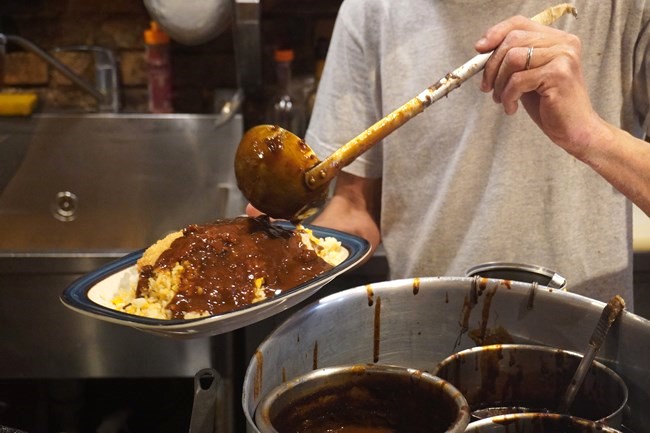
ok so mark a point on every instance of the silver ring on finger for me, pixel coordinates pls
(529, 56)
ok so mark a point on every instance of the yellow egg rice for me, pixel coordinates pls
(163, 286)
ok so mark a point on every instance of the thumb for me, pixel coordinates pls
(252, 211)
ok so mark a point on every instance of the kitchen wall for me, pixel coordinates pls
(119, 24)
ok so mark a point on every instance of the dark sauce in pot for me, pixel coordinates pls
(369, 404)
(223, 259)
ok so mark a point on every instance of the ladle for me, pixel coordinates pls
(611, 311)
(280, 174)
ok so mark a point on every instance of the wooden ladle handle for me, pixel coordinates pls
(328, 168)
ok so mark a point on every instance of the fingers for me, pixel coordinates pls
(518, 85)
(525, 54)
(495, 35)
(512, 55)
(529, 57)
(547, 67)
(252, 211)
(513, 33)
(520, 73)
(516, 60)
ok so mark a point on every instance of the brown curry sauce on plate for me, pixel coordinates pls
(223, 259)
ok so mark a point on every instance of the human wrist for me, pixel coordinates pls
(602, 146)
(591, 141)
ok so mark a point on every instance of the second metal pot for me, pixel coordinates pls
(511, 378)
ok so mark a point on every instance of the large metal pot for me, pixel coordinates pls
(417, 323)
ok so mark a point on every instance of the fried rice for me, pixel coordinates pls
(163, 286)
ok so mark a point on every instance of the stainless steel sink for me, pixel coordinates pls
(79, 190)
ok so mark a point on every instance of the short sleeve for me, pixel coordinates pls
(641, 79)
(348, 97)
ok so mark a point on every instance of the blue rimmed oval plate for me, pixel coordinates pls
(91, 294)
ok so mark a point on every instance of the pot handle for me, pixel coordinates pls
(557, 282)
(207, 388)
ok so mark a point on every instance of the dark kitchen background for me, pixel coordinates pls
(60, 371)
(197, 70)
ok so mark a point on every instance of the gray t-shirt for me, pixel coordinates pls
(463, 183)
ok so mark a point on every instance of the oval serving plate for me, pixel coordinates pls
(91, 294)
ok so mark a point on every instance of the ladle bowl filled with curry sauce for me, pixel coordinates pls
(363, 398)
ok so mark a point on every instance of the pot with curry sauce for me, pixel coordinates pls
(364, 398)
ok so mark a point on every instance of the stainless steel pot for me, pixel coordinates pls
(500, 379)
(417, 323)
(537, 423)
(364, 397)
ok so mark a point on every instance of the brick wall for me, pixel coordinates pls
(119, 24)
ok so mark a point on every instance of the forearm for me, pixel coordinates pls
(339, 215)
(623, 160)
(354, 208)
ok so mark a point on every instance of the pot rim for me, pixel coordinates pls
(483, 425)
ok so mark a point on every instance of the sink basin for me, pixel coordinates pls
(112, 181)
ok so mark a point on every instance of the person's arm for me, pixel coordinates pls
(549, 83)
(354, 208)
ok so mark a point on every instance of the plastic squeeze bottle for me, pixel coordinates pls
(158, 69)
(285, 108)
